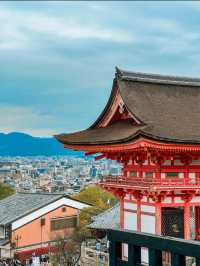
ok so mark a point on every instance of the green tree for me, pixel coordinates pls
(96, 196)
(100, 200)
(5, 191)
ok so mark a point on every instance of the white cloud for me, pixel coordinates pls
(23, 30)
(17, 29)
(25, 119)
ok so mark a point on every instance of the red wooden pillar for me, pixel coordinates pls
(196, 217)
(122, 212)
(187, 220)
(158, 174)
(186, 176)
(158, 218)
(139, 214)
(141, 171)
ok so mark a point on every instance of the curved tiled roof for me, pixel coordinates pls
(168, 108)
(109, 219)
(157, 78)
(118, 131)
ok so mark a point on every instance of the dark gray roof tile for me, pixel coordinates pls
(20, 204)
(167, 107)
(110, 219)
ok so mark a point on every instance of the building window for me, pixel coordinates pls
(42, 221)
(8, 231)
(63, 223)
(149, 174)
(2, 232)
(63, 209)
(172, 174)
(133, 173)
(196, 162)
(177, 162)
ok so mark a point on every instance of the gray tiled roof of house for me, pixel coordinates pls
(110, 219)
(20, 204)
(4, 242)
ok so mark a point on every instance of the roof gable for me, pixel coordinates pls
(171, 112)
(20, 205)
(48, 208)
(161, 107)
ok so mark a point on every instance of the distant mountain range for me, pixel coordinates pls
(20, 144)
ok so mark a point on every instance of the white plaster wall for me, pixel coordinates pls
(181, 175)
(144, 199)
(162, 175)
(146, 208)
(148, 224)
(196, 199)
(191, 175)
(127, 196)
(130, 221)
(130, 206)
(167, 200)
(178, 200)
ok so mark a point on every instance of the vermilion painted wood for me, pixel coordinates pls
(158, 218)
(186, 220)
(139, 214)
(144, 156)
(141, 145)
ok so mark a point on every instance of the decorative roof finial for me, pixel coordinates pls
(118, 72)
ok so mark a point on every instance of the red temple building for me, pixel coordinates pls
(151, 126)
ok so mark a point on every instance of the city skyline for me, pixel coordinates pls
(57, 56)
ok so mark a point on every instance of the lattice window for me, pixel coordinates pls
(133, 173)
(149, 174)
(2, 231)
(63, 223)
(172, 174)
(195, 162)
(192, 222)
(172, 222)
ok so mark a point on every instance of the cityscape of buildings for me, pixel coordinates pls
(54, 174)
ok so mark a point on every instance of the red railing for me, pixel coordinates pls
(151, 182)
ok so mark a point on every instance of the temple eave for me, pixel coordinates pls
(137, 146)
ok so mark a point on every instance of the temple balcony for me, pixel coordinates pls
(132, 248)
(150, 184)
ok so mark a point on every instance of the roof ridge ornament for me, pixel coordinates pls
(159, 104)
(118, 72)
(157, 78)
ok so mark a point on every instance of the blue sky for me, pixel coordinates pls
(58, 58)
